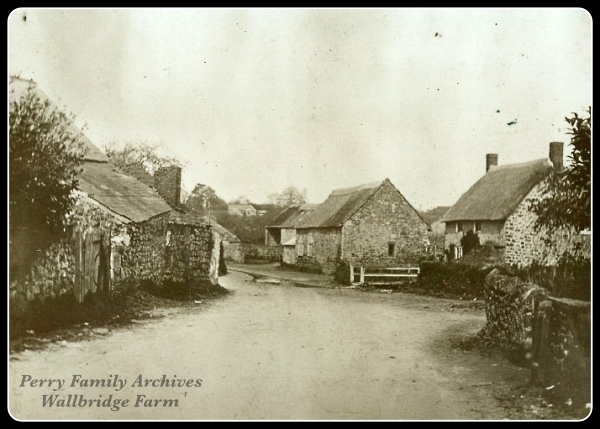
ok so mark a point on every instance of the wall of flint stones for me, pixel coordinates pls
(144, 255)
(565, 361)
(509, 310)
(52, 274)
(162, 251)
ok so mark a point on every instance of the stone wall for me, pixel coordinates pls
(261, 252)
(525, 245)
(161, 251)
(318, 249)
(233, 252)
(565, 361)
(386, 218)
(52, 274)
(509, 311)
(552, 334)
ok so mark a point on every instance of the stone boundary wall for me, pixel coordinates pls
(509, 311)
(554, 335)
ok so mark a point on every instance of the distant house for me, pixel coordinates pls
(242, 210)
(121, 230)
(282, 231)
(371, 224)
(496, 208)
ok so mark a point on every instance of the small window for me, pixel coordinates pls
(459, 226)
(168, 241)
(309, 250)
(300, 247)
(391, 249)
(477, 226)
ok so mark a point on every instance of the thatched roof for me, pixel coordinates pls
(339, 206)
(497, 194)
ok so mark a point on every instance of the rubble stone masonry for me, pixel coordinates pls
(162, 251)
(525, 244)
(387, 219)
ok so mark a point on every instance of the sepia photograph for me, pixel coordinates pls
(299, 214)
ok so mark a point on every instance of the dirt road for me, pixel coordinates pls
(271, 352)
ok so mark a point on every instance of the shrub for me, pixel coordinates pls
(454, 278)
(342, 274)
(469, 241)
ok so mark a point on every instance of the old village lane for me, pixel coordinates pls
(270, 352)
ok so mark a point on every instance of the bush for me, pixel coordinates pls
(570, 278)
(453, 279)
(342, 274)
(469, 241)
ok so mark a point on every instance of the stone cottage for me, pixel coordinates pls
(496, 208)
(367, 225)
(120, 230)
(281, 234)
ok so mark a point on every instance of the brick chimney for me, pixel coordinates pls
(167, 182)
(556, 155)
(491, 159)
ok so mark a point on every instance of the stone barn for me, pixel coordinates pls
(371, 224)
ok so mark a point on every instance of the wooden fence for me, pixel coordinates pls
(382, 275)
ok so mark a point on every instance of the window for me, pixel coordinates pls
(168, 241)
(309, 245)
(459, 226)
(300, 246)
(477, 226)
(391, 248)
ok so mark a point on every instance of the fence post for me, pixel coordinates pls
(541, 337)
(351, 274)
(362, 274)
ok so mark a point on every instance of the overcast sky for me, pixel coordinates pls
(255, 100)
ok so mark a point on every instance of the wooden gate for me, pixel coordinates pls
(92, 266)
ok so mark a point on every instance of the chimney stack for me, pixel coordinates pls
(167, 182)
(491, 159)
(556, 155)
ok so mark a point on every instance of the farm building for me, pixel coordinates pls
(282, 231)
(496, 209)
(120, 229)
(242, 210)
(371, 224)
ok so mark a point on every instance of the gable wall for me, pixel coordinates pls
(386, 217)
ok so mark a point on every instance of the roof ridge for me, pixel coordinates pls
(519, 164)
(343, 191)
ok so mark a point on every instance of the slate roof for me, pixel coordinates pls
(123, 194)
(101, 180)
(339, 206)
(498, 193)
